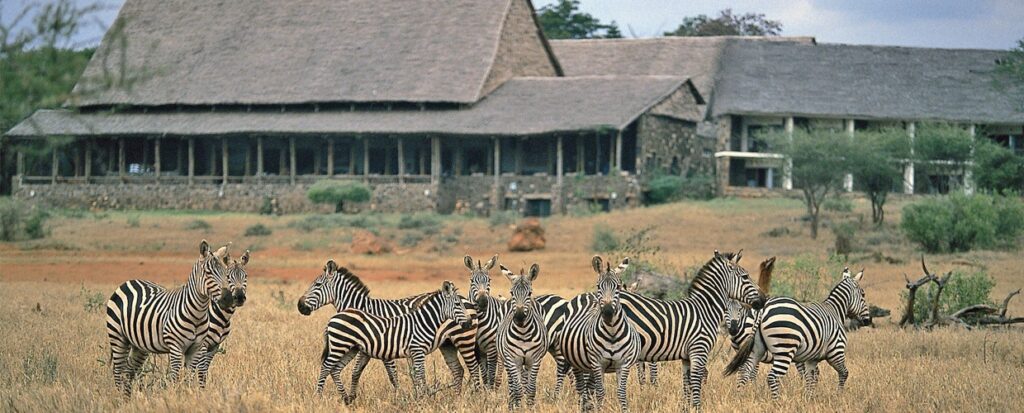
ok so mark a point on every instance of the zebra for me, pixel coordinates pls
(600, 339)
(642, 368)
(145, 318)
(338, 286)
(522, 337)
(220, 317)
(687, 329)
(804, 333)
(412, 335)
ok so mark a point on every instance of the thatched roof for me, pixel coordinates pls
(522, 106)
(863, 82)
(696, 58)
(286, 52)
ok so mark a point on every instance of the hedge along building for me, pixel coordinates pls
(755, 85)
(437, 106)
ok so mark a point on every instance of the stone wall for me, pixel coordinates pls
(248, 197)
(673, 146)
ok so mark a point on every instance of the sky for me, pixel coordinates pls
(986, 24)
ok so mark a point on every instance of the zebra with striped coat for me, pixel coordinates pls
(642, 369)
(220, 317)
(340, 287)
(687, 329)
(144, 318)
(413, 336)
(522, 338)
(600, 339)
(788, 331)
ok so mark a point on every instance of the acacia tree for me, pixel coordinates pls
(728, 24)
(820, 158)
(942, 148)
(564, 20)
(876, 161)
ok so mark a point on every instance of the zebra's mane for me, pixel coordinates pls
(429, 296)
(706, 270)
(357, 284)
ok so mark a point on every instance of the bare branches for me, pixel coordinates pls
(968, 317)
(908, 315)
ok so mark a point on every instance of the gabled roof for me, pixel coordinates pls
(864, 82)
(521, 106)
(287, 52)
(696, 58)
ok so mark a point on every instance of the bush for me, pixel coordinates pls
(845, 233)
(337, 193)
(503, 218)
(604, 239)
(133, 221)
(838, 205)
(19, 221)
(959, 222)
(198, 224)
(429, 223)
(411, 239)
(961, 291)
(669, 188)
(806, 277)
(314, 222)
(258, 230)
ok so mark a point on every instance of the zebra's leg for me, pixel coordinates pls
(809, 371)
(419, 379)
(562, 369)
(330, 363)
(467, 350)
(391, 369)
(120, 350)
(135, 362)
(177, 359)
(203, 363)
(698, 371)
(620, 391)
(451, 358)
(838, 362)
(653, 367)
(641, 373)
(582, 389)
(531, 382)
(357, 371)
(597, 383)
(780, 365)
(749, 370)
(514, 382)
(686, 378)
(491, 367)
(336, 372)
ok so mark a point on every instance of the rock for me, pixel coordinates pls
(365, 242)
(528, 236)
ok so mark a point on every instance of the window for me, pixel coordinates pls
(538, 208)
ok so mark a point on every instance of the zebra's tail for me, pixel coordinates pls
(327, 348)
(742, 354)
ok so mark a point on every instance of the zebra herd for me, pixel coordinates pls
(609, 329)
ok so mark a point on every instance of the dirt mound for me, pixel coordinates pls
(365, 242)
(528, 236)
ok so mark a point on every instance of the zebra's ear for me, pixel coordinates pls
(739, 256)
(508, 274)
(622, 266)
(717, 253)
(859, 276)
(596, 262)
(448, 287)
(534, 271)
(846, 272)
(491, 262)
(331, 267)
(469, 263)
(204, 248)
(245, 258)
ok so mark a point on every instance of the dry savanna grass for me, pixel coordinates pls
(54, 352)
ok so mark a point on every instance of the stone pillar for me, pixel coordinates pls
(247, 171)
(559, 203)
(191, 160)
(54, 165)
(597, 154)
(581, 163)
(19, 163)
(559, 161)
(618, 151)
(291, 159)
(156, 159)
(330, 157)
(908, 169)
(496, 189)
(259, 159)
(225, 165)
(401, 161)
(518, 156)
(366, 157)
(968, 172)
(316, 159)
(352, 156)
(88, 159)
(212, 157)
(180, 159)
(850, 131)
(282, 162)
(457, 170)
(121, 169)
(787, 167)
(724, 132)
(435, 159)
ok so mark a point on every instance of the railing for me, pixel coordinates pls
(218, 180)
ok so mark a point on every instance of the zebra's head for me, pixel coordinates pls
(856, 304)
(522, 293)
(735, 313)
(725, 269)
(608, 285)
(480, 280)
(237, 277)
(452, 306)
(214, 281)
(327, 287)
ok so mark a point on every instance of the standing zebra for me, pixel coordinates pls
(804, 333)
(600, 339)
(642, 368)
(220, 317)
(413, 336)
(338, 286)
(687, 329)
(522, 338)
(145, 318)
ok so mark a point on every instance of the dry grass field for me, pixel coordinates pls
(53, 348)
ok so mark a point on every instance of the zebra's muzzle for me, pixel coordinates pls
(239, 298)
(758, 303)
(304, 309)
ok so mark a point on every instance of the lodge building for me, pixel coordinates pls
(458, 106)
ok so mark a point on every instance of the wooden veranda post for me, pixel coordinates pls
(259, 159)
(224, 161)
(121, 158)
(291, 159)
(401, 161)
(330, 157)
(191, 161)
(88, 159)
(435, 159)
(156, 159)
(54, 166)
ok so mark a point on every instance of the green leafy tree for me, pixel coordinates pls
(728, 24)
(942, 148)
(876, 161)
(997, 168)
(820, 158)
(564, 20)
(1009, 74)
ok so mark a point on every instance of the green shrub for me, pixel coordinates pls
(411, 239)
(425, 221)
(338, 192)
(198, 224)
(314, 222)
(776, 232)
(604, 239)
(258, 230)
(838, 205)
(961, 291)
(669, 188)
(846, 233)
(20, 221)
(268, 207)
(133, 221)
(961, 223)
(503, 218)
(805, 278)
